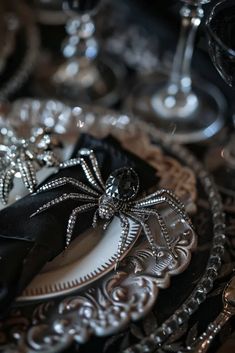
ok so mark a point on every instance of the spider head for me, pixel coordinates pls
(107, 207)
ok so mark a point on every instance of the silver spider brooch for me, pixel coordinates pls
(116, 197)
(22, 158)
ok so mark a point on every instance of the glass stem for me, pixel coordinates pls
(80, 42)
(180, 77)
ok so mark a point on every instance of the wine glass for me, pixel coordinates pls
(221, 33)
(189, 108)
(85, 74)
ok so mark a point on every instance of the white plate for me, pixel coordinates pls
(89, 257)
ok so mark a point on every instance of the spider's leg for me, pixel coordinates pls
(153, 195)
(95, 218)
(106, 224)
(73, 162)
(94, 163)
(161, 193)
(124, 234)
(175, 204)
(62, 198)
(90, 177)
(6, 183)
(28, 173)
(148, 202)
(174, 198)
(122, 241)
(81, 161)
(177, 208)
(64, 181)
(162, 225)
(136, 216)
(73, 218)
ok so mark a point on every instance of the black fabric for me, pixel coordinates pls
(27, 243)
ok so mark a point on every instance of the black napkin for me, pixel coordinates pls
(26, 244)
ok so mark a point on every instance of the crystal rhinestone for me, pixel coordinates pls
(122, 184)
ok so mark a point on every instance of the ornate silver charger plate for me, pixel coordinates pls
(109, 302)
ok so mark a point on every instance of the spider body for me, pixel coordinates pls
(116, 197)
(122, 185)
(107, 208)
(22, 158)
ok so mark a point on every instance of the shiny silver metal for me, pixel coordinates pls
(22, 158)
(188, 108)
(203, 343)
(53, 324)
(104, 307)
(157, 338)
(114, 199)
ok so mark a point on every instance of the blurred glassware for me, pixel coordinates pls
(19, 45)
(221, 33)
(127, 37)
(86, 74)
(189, 109)
(8, 30)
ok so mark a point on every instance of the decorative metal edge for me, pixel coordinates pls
(67, 287)
(198, 295)
(45, 338)
(103, 309)
(121, 296)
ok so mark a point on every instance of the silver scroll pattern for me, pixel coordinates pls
(101, 310)
(119, 297)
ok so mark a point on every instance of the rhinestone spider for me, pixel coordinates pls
(22, 158)
(116, 197)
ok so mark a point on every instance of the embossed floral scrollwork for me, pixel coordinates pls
(100, 312)
(124, 295)
(119, 296)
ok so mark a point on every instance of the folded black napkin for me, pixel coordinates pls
(26, 244)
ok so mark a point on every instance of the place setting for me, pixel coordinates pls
(117, 234)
